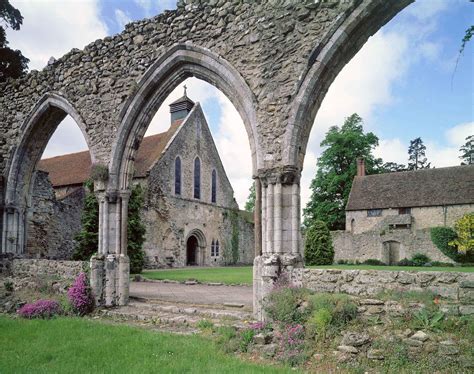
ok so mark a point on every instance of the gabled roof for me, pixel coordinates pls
(74, 168)
(427, 187)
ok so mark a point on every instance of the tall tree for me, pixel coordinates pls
(250, 203)
(467, 151)
(136, 231)
(391, 167)
(416, 155)
(336, 169)
(12, 63)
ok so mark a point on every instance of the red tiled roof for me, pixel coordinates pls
(74, 168)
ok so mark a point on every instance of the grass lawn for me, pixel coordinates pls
(73, 345)
(226, 275)
(229, 275)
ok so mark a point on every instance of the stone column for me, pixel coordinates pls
(13, 230)
(280, 231)
(258, 217)
(110, 268)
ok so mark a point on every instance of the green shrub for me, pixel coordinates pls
(205, 324)
(318, 249)
(136, 231)
(419, 259)
(428, 320)
(444, 264)
(441, 237)
(246, 338)
(8, 286)
(341, 262)
(373, 261)
(288, 305)
(405, 262)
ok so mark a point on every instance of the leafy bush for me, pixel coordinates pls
(80, 296)
(318, 249)
(373, 261)
(341, 262)
(287, 305)
(8, 286)
(464, 227)
(246, 338)
(419, 259)
(40, 309)
(319, 323)
(443, 264)
(441, 237)
(405, 262)
(428, 320)
(136, 231)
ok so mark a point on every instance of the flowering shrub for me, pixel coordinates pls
(287, 305)
(80, 295)
(291, 348)
(40, 309)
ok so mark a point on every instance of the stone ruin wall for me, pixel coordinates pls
(456, 287)
(268, 48)
(52, 223)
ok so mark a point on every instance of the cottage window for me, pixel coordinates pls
(214, 187)
(177, 176)
(374, 213)
(404, 210)
(197, 178)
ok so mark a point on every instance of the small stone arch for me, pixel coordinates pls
(35, 131)
(174, 66)
(200, 249)
(391, 252)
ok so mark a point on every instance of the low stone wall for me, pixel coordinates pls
(455, 286)
(50, 275)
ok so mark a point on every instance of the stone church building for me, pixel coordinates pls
(389, 216)
(190, 213)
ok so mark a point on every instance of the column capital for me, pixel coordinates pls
(125, 194)
(284, 175)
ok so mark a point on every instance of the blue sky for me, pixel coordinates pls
(401, 82)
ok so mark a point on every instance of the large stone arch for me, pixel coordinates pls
(174, 66)
(36, 131)
(341, 44)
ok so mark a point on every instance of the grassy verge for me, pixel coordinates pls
(72, 345)
(226, 275)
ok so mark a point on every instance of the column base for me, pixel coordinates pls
(268, 269)
(110, 279)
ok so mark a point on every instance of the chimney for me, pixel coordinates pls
(360, 167)
(180, 108)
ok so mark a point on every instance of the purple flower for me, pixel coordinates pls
(40, 309)
(80, 295)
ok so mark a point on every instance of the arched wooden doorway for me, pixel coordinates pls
(192, 249)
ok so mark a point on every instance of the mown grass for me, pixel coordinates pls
(73, 345)
(226, 275)
(243, 274)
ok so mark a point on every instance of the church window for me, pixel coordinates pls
(214, 187)
(213, 250)
(177, 176)
(216, 249)
(197, 178)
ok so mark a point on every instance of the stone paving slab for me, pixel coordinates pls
(193, 294)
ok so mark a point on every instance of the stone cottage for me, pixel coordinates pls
(190, 213)
(389, 216)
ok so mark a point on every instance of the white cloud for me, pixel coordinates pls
(67, 138)
(122, 18)
(145, 4)
(441, 152)
(54, 27)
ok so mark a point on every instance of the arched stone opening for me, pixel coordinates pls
(195, 248)
(173, 67)
(35, 134)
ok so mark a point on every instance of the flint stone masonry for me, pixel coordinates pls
(455, 286)
(275, 60)
(66, 270)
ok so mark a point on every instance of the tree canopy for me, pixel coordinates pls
(416, 155)
(336, 168)
(12, 63)
(250, 203)
(467, 151)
